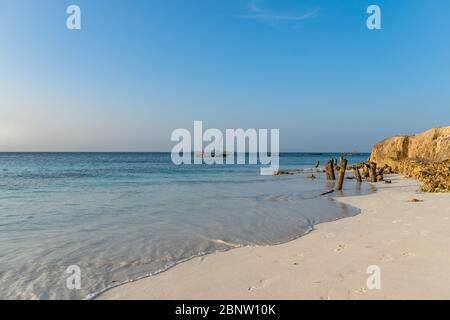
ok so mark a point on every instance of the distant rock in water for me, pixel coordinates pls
(424, 156)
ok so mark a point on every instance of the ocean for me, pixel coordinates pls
(123, 216)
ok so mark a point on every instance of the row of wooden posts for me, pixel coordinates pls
(369, 171)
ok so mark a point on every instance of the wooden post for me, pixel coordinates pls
(373, 172)
(327, 170)
(387, 169)
(343, 166)
(332, 175)
(357, 174)
(380, 174)
(365, 170)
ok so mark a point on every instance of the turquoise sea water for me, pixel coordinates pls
(122, 216)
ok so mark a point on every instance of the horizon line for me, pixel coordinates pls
(311, 152)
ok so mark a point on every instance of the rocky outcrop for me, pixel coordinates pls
(431, 146)
(425, 156)
(434, 176)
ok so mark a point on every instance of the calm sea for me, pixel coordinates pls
(122, 216)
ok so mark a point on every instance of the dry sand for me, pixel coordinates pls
(409, 241)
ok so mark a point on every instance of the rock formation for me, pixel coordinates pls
(432, 145)
(434, 176)
(425, 156)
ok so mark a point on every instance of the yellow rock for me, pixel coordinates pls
(424, 156)
(432, 145)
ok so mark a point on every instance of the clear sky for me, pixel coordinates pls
(139, 69)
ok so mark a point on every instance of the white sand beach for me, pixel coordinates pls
(409, 241)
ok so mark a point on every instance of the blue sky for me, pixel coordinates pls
(140, 69)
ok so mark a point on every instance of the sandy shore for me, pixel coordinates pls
(408, 241)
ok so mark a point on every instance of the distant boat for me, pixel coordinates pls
(222, 154)
(349, 154)
(213, 154)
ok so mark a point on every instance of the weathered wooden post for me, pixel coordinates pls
(357, 174)
(365, 170)
(388, 169)
(380, 174)
(328, 170)
(373, 172)
(332, 175)
(343, 166)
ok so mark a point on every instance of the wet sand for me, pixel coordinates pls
(407, 240)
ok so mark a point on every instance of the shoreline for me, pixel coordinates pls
(328, 263)
(232, 246)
